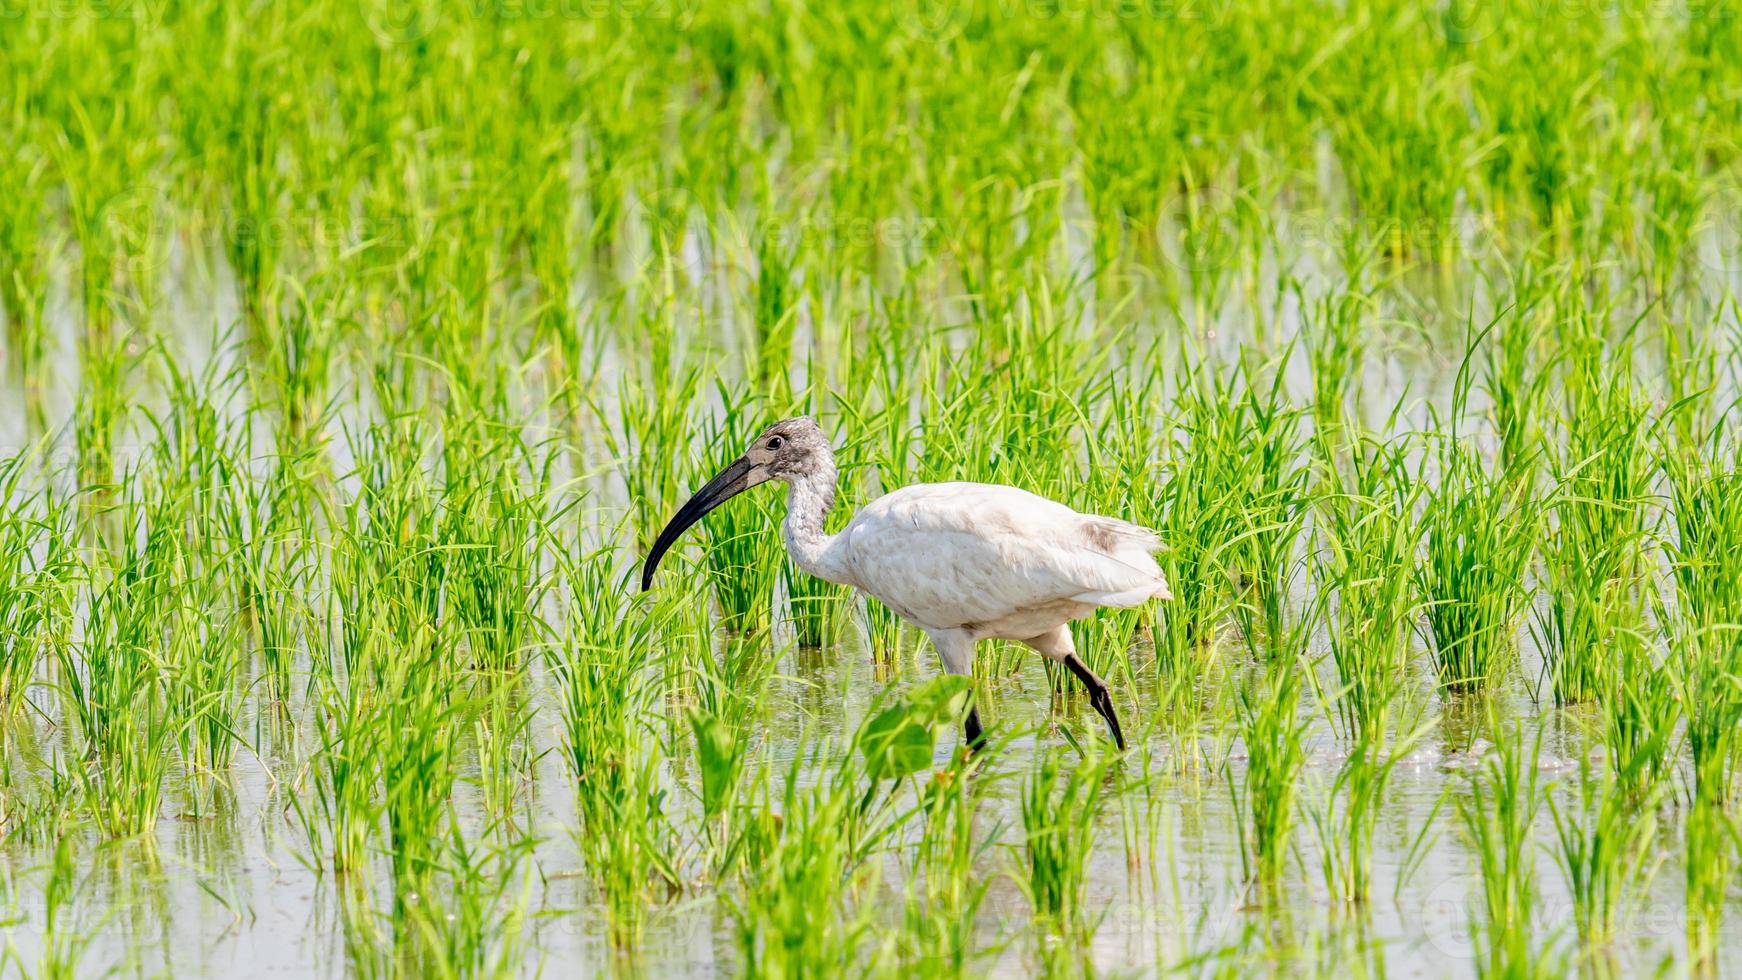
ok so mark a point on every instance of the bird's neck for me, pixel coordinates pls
(808, 501)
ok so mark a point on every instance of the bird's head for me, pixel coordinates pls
(789, 450)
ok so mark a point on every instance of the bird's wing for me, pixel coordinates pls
(945, 554)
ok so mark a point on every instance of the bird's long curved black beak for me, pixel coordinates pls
(738, 476)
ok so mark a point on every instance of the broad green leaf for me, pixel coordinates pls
(899, 740)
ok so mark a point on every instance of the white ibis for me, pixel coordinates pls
(964, 562)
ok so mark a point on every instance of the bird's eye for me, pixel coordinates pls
(776, 442)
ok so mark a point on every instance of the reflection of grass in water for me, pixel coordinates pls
(1271, 730)
(1606, 839)
(1060, 802)
(1499, 816)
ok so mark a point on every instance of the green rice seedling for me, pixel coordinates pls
(299, 364)
(1369, 551)
(1604, 839)
(1595, 546)
(1707, 697)
(27, 253)
(113, 683)
(112, 204)
(1273, 508)
(778, 931)
(1499, 816)
(389, 566)
(1706, 506)
(605, 693)
(1214, 216)
(730, 687)
(1336, 343)
(1405, 158)
(258, 189)
(494, 512)
(813, 606)
(271, 566)
(807, 846)
(814, 852)
(774, 319)
(1640, 715)
(196, 464)
(506, 754)
(384, 721)
(201, 667)
(343, 818)
(650, 436)
(1690, 378)
(550, 248)
(38, 564)
(1516, 386)
(719, 752)
(420, 725)
(1202, 479)
(1480, 532)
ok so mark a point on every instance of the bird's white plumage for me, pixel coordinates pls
(962, 561)
(994, 560)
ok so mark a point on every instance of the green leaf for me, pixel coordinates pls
(898, 741)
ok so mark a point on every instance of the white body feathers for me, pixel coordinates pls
(979, 559)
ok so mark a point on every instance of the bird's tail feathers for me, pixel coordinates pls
(1127, 598)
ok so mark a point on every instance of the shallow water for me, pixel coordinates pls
(228, 892)
(227, 895)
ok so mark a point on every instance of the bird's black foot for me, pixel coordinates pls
(1099, 696)
(975, 737)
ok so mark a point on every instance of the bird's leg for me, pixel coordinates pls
(975, 738)
(956, 650)
(1099, 696)
(1058, 645)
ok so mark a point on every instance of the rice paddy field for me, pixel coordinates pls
(353, 353)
